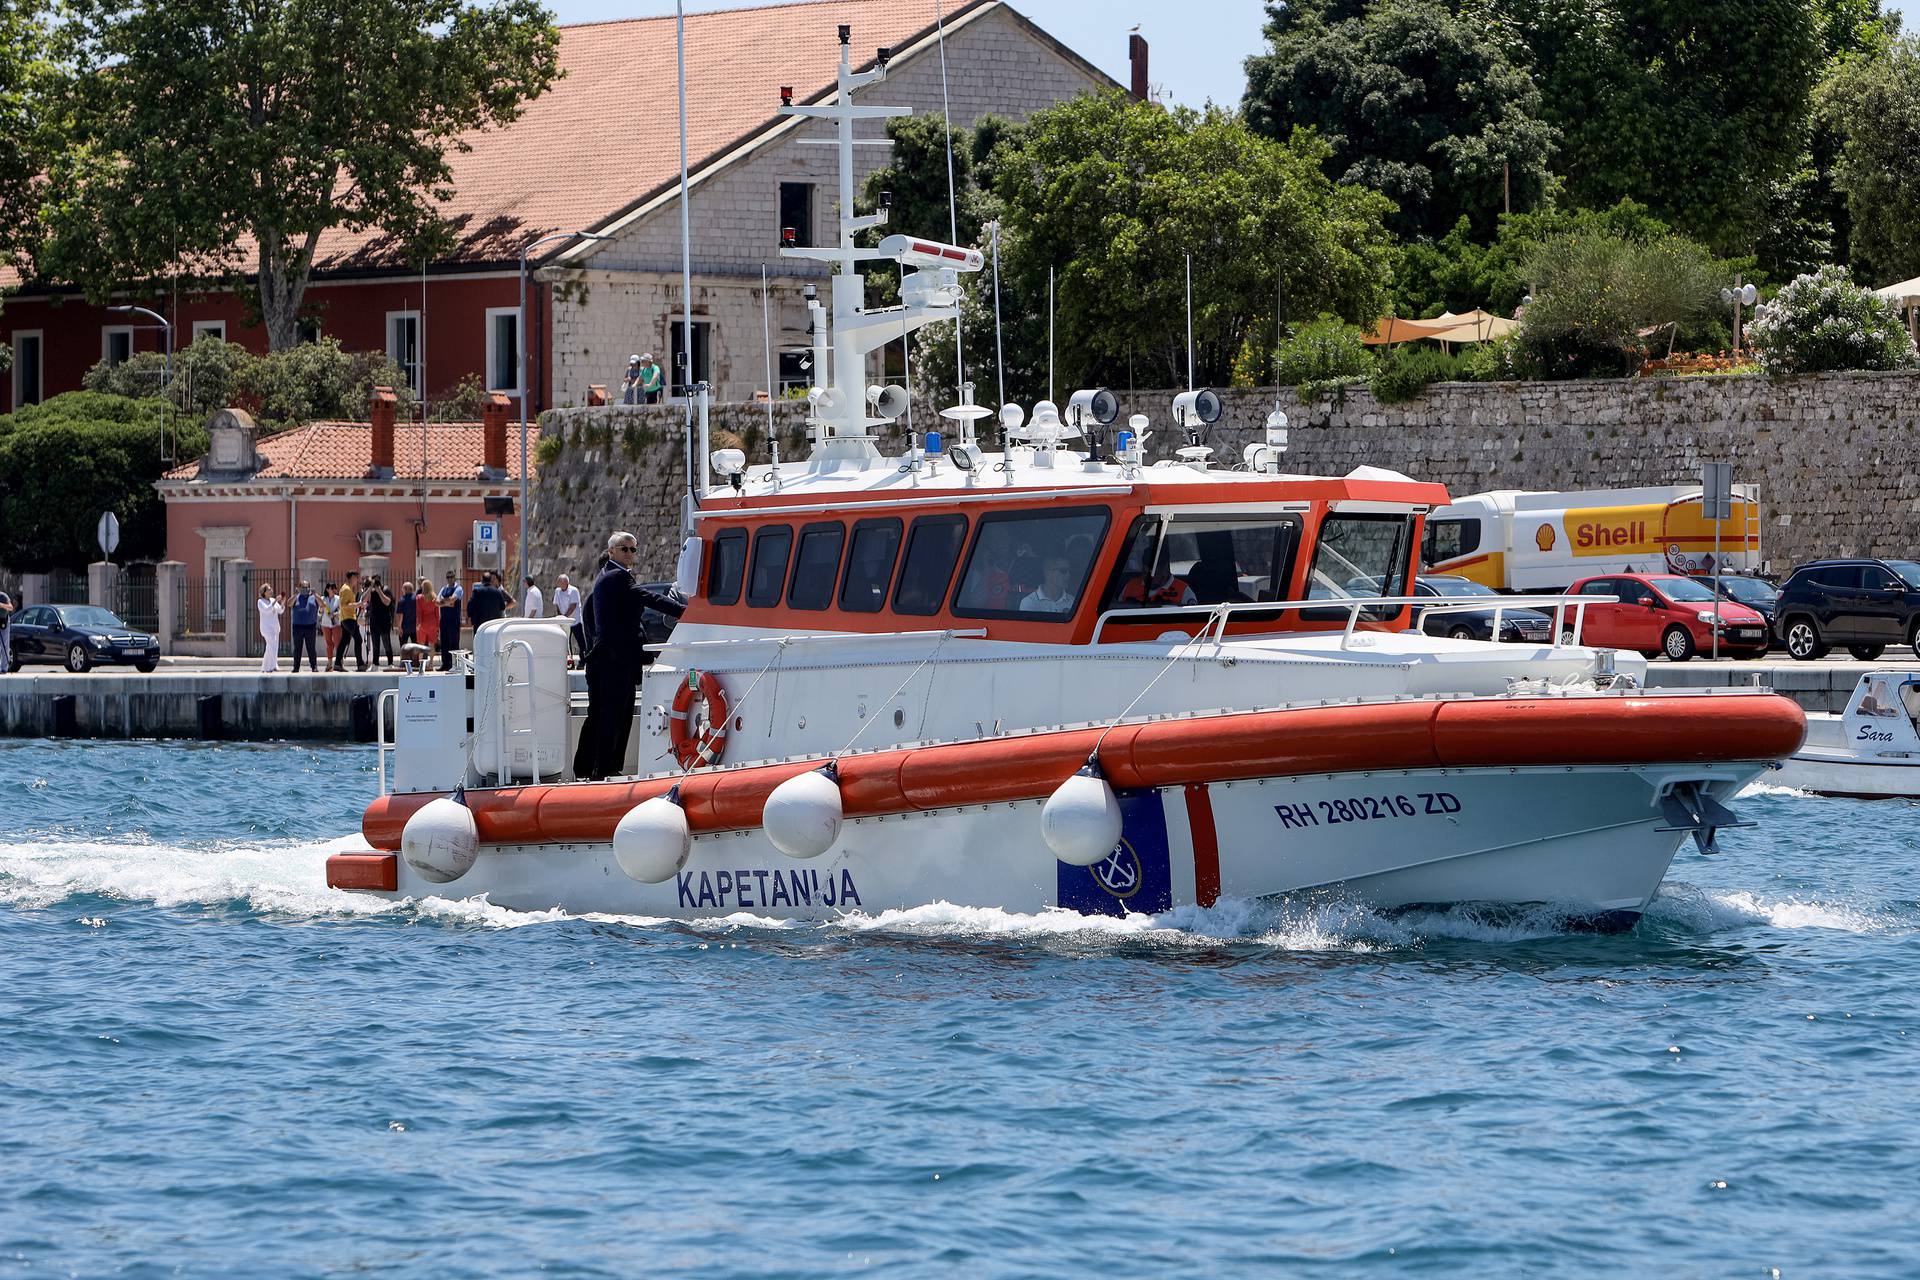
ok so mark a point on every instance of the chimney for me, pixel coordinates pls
(1137, 55)
(493, 434)
(380, 410)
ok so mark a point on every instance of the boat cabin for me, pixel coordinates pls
(1095, 563)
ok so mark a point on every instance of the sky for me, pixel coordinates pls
(1196, 47)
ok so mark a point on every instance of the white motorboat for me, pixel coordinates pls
(1870, 750)
(1055, 675)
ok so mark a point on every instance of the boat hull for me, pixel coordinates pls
(1838, 773)
(1586, 840)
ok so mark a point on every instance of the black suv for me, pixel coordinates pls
(1864, 605)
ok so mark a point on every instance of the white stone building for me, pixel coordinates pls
(623, 295)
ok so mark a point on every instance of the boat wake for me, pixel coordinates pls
(287, 879)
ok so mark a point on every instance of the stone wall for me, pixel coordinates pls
(1834, 456)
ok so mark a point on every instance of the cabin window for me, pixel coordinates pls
(771, 546)
(1449, 540)
(1031, 565)
(1203, 560)
(870, 565)
(816, 565)
(933, 548)
(729, 566)
(1360, 555)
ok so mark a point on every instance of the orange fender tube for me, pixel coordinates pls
(1474, 733)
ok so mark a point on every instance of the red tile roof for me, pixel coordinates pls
(344, 451)
(607, 135)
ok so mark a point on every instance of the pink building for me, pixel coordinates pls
(386, 499)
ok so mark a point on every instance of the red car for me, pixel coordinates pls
(1660, 613)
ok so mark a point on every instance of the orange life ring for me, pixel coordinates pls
(697, 745)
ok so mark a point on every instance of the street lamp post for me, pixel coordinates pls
(1735, 297)
(520, 333)
(166, 368)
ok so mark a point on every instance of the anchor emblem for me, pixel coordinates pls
(1120, 873)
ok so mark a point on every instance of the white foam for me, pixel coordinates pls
(1773, 789)
(1703, 912)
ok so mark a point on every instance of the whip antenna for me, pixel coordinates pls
(953, 207)
(684, 357)
(999, 357)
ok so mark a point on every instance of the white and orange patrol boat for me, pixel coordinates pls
(1052, 676)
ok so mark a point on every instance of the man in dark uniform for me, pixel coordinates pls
(615, 659)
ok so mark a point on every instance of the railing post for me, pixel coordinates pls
(234, 575)
(103, 581)
(169, 582)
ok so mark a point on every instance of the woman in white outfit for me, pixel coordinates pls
(270, 611)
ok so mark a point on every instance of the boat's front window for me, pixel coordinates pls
(1199, 560)
(933, 548)
(729, 566)
(1372, 548)
(1032, 565)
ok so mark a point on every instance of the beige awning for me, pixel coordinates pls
(1469, 326)
(1906, 293)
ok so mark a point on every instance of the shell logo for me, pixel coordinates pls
(1543, 537)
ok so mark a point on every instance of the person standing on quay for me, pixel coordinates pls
(330, 626)
(407, 610)
(566, 604)
(350, 624)
(615, 661)
(451, 597)
(427, 617)
(305, 617)
(649, 380)
(380, 620)
(487, 602)
(532, 605)
(6, 646)
(270, 611)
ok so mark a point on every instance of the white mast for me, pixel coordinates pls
(929, 294)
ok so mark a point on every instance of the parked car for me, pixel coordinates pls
(1862, 604)
(79, 636)
(1658, 613)
(1516, 625)
(1757, 594)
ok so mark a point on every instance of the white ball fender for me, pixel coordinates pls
(1081, 819)
(802, 816)
(440, 841)
(652, 841)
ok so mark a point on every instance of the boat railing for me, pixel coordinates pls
(837, 637)
(1219, 615)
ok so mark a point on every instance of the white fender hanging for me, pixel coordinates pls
(441, 841)
(802, 816)
(1081, 819)
(652, 841)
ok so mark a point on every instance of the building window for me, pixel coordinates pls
(215, 329)
(702, 354)
(403, 345)
(308, 330)
(796, 370)
(116, 344)
(27, 386)
(503, 349)
(796, 214)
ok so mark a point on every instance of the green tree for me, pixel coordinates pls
(64, 462)
(1873, 106)
(1694, 110)
(1428, 106)
(26, 126)
(202, 377)
(1458, 273)
(1596, 291)
(1113, 195)
(218, 133)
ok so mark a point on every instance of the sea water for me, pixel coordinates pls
(211, 1065)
